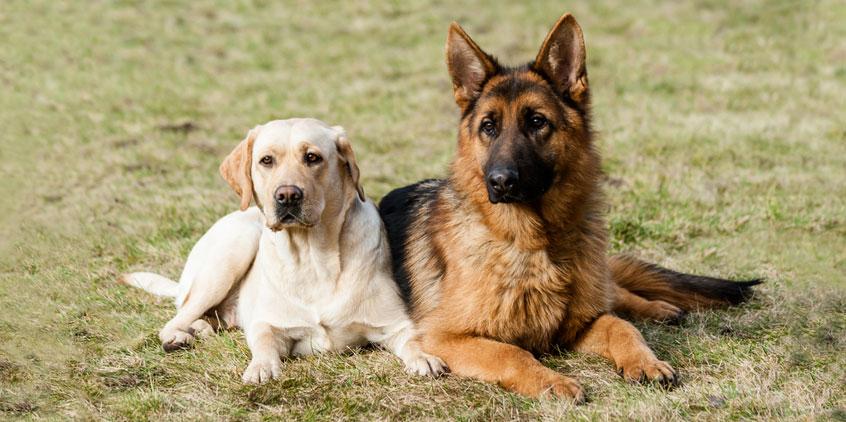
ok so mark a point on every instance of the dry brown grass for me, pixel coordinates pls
(721, 126)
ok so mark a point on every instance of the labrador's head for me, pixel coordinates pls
(296, 170)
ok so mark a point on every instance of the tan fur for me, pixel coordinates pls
(466, 87)
(492, 283)
(345, 152)
(628, 303)
(236, 168)
(636, 276)
(318, 281)
(565, 40)
(621, 343)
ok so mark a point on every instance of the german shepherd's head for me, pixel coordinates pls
(525, 131)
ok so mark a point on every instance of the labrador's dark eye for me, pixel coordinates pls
(537, 122)
(266, 161)
(489, 127)
(312, 158)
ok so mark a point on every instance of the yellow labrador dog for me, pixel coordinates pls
(306, 271)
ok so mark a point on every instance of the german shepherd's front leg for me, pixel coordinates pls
(505, 364)
(620, 342)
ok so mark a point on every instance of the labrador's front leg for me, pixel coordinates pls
(224, 264)
(268, 347)
(400, 340)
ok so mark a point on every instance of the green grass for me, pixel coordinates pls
(721, 125)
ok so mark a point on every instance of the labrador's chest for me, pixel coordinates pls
(297, 290)
(314, 317)
(329, 321)
(324, 338)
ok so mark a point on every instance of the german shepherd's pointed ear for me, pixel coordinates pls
(347, 155)
(562, 58)
(468, 65)
(236, 168)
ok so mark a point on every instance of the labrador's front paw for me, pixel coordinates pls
(175, 339)
(424, 364)
(262, 370)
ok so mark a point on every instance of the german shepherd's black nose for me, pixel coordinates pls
(289, 195)
(501, 183)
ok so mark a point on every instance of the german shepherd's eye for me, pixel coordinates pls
(537, 122)
(488, 127)
(312, 158)
(266, 161)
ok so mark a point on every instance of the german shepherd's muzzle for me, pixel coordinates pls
(515, 171)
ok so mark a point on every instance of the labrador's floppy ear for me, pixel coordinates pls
(237, 166)
(348, 158)
(562, 58)
(469, 66)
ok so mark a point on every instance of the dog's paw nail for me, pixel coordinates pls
(656, 371)
(436, 366)
(180, 340)
(666, 313)
(425, 365)
(567, 388)
(262, 371)
(678, 319)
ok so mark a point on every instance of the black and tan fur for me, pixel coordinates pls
(507, 257)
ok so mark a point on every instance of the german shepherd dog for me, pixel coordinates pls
(507, 257)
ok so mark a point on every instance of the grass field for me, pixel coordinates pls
(723, 129)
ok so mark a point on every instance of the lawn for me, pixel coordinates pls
(723, 130)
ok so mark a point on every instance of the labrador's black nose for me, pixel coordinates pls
(289, 195)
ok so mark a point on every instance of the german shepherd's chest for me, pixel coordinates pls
(457, 276)
(504, 292)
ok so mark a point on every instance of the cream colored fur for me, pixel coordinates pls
(320, 283)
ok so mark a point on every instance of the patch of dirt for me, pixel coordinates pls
(18, 408)
(9, 372)
(614, 182)
(183, 127)
(128, 142)
(122, 382)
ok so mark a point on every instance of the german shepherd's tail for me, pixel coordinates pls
(687, 291)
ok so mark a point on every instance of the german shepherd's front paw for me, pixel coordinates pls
(650, 370)
(565, 388)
